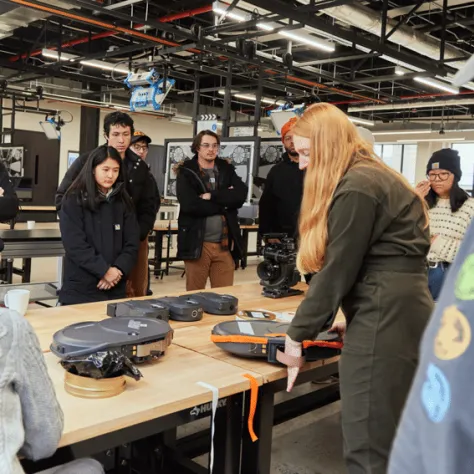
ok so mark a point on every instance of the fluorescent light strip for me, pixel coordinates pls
(437, 84)
(402, 132)
(450, 139)
(105, 66)
(252, 98)
(309, 40)
(361, 121)
(92, 62)
(399, 71)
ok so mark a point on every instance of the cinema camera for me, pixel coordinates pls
(277, 272)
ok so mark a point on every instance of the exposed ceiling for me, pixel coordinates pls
(248, 45)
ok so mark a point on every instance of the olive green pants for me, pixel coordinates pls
(387, 313)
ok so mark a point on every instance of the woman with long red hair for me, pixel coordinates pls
(364, 233)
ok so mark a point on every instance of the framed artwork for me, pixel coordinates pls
(239, 151)
(271, 153)
(12, 157)
(71, 157)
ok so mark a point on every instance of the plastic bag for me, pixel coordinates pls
(102, 365)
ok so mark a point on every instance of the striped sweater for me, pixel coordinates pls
(449, 228)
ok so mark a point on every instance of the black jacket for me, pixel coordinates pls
(194, 210)
(95, 241)
(279, 205)
(141, 186)
(9, 200)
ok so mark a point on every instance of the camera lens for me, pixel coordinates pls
(267, 270)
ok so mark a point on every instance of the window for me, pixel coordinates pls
(401, 158)
(466, 151)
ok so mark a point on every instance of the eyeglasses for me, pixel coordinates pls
(140, 147)
(443, 176)
(212, 146)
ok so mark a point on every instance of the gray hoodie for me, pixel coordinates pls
(31, 420)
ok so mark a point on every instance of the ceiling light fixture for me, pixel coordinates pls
(450, 139)
(402, 132)
(309, 40)
(49, 53)
(437, 84)
(105, 66)
(264, 100)
(361, 121)
(399, 71)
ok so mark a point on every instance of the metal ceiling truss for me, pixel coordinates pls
(260, 75)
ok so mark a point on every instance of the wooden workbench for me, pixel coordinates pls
(46, 321)
(169, 387)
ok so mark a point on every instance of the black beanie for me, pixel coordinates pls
(446, 159)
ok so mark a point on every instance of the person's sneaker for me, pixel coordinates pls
(149, 292)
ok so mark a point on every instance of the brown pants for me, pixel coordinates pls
(137, 282)
(215, 263)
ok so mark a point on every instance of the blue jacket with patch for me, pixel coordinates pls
(436, 433)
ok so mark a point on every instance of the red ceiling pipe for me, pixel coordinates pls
(106, 34)
(138, 34)
(442, 94)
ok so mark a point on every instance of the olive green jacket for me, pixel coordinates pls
(372, 218)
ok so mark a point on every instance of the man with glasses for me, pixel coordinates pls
(451, 212)
(210, 194)
(140, 144)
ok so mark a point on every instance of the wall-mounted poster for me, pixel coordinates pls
(239, 151)
(12, 158)
(71, 157)
(271, 153)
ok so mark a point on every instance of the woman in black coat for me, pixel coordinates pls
(99, 231)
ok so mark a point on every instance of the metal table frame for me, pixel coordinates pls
(227, 443)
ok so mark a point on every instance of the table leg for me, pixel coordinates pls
(228, 436)
(158, 253)
(9, 270)
(256, 456)
(168, 250)
(245, 248)
(26, 277)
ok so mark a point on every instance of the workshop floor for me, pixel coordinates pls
(310, 444)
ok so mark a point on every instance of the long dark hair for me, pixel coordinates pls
(457, 197)
(85, 186)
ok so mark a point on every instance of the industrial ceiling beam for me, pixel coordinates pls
(289, 11)
(390, 77)
(55, 72)
(339, 59)
(95, 7)
(234, 54)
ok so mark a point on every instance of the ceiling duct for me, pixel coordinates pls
(368, 20)
(12, 16)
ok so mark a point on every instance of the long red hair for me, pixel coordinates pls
(335, 147)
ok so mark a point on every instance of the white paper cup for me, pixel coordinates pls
(17, 300)
(30, 225)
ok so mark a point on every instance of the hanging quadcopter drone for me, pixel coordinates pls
(148, 90)
(52, 125)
